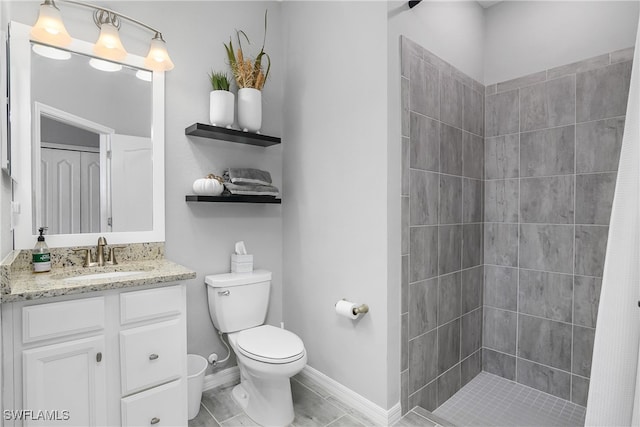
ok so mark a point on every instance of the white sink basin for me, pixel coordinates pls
(106, 275)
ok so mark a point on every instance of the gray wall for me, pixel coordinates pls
(551, 154)
(442, 181)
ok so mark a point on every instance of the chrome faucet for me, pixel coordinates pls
(100, 258)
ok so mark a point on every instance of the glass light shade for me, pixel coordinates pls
(51, 52)
(144, 75)
(107, 66)
(109, 45)
(158, 58)
(49, 27)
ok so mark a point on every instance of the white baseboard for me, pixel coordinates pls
(361, 404)
(225, 377)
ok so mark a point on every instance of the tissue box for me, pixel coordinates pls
(241, 263)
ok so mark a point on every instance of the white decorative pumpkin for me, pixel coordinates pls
(210, 185)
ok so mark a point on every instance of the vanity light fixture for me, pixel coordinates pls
(50, 30)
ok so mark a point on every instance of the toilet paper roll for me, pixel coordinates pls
(345, 308)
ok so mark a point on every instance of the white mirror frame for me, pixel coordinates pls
(23, 148)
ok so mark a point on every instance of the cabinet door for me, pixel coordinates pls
(68, 376)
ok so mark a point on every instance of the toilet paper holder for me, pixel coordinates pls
(361, 309)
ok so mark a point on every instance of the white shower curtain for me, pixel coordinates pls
(614, 391)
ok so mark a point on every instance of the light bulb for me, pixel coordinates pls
(158, 58)
(49, 28)
(109, 45)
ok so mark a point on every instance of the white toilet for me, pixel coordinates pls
(267, 356)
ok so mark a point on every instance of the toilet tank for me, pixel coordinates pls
(238, 301)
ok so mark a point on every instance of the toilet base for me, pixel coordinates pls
(268, 403)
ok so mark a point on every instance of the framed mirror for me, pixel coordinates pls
(87, 144)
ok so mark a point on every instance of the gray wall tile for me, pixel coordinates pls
(547, 152)
(591, 246)
(603, 93)
(423, 307)
(547, 200)
(450, 199)
(404, 341)
(470, 367)
(423, 356)
(501, 287)
(471, 333)
(519, 82)
(423, 197)
(501, 200)
(473, 111)
(499, 328)
(594, 198)
(472, 201)
(499, 364)
(423, 260)
(579, 67)
(406, 150)
(450, 100)
(546, 247)
(548, 104)
(425, 143)
(448, 345)
(544, 341)
(404, 87)
(587, 297)
(622, 55)
(448, 384)
(472, 155)
(450, 150)
(404, 391)
(471, 245)
(501, 114)
(579, 390)
(449, 291)
(424, 88)
(405, 212)
(450, 241)
(501, 244)
(582, 350)
(408, 48)
(502, 157)
(472, 283)
(598, 145)
(426, 397)
(543, 378)
(548, 295)
(404, 285)
(490, 90)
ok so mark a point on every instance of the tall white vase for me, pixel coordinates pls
(249, 109)
(221, 108)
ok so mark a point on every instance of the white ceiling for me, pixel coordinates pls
(487, 4)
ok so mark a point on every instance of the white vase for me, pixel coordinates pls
(249, 109)
(221, 108)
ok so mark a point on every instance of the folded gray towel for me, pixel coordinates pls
(247, 176)
(251, 189)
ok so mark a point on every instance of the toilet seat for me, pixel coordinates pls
(270, 344)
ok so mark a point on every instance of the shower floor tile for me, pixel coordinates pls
(490, 400)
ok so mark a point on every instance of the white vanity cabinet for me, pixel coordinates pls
(109, 358)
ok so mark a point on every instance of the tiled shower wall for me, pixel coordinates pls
(551, 154)
(442, 209)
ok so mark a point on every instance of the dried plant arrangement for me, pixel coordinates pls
(248, 72)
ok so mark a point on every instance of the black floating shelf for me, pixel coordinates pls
(233, 199)
(231, 135)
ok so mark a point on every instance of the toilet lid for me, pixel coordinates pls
(270, 344)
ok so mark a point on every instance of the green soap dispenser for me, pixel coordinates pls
(41, 256)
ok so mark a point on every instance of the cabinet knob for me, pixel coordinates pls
(155, 420)
(153, 356)
(99, 357)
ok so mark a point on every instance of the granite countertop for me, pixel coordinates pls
(19, 283)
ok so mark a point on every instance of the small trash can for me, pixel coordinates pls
(196, 365)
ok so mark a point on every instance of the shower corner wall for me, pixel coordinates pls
(442, 228)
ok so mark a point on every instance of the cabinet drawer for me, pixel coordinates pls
(58, 319)
(151, 355)
(150, 304)
(161, 406)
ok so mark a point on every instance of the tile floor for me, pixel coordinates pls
(490, 400)
(313, 407)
